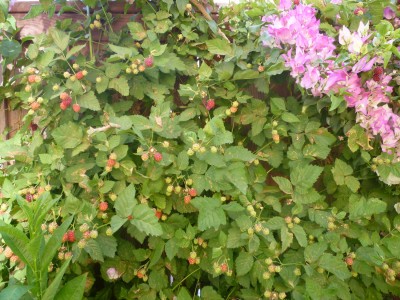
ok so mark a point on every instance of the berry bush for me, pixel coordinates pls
(249, 155)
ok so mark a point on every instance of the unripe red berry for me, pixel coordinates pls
(210, 104)
(224, 267)
(63, 106)
(32, 78)
(71, 236)
(192, 192)
(149, 61)
(103, 206)
(76, 107)
(187, 199)
(111, 162)
(35, 105)
(64, 96)
(157, 156)
(79, 75)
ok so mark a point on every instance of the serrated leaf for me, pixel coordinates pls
(113, 70)
(89, 101)
(60, 38)
(145, 220)
(334, 265)
(286, 238)
(137, 31)
(300, 235)
(120, 85)
(237, 153)
(68, 135)
(243, 263)
(211, 213)
(284, 184)
(314, 251)
(102, 85)
(10, 49)
(220, 47)
(92, 247)
(126, 201)
(305, 176)
(108, 245)
(289, 117)
(275, 223)
(74, 50)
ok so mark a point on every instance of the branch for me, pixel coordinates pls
(92, 130)
(207, 16)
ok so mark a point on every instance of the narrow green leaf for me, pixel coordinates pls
(73, 289)
(51, 291)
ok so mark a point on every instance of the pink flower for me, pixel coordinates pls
(336, 2)
(285, 4)
(363, 65)
(389, 13)
(112, 273)
(310, 78)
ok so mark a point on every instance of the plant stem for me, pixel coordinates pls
(180, 282)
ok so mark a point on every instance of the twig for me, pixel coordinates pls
(206, 15)
(92, 130)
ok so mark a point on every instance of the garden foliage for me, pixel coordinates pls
(251, 155)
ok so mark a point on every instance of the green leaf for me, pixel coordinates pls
(305, 176)
(211, 213)
(102, 85)
(34, 11)
(108, 245)
(18, 242)
(243, 263)
(183, 160)
(126, 202)
(74, 50)
(60, 38)
(204, 71)
(113, 70)
(358, 137)
(237, 175)
(89, 101)
(117, 222)
(54, 243)
(314, 251)
(73, 289)
(10, 49)
(275, 223)
(208, 293)
(278, 106)
(92, 247)
(15, 292)
(284, 184)
(51, 291)
(289, 117)
(334, 265)
(286, 238)
(137, 31)
(68, 135)
(145, 220)
(238, 153)
(300, 235)
(340, 171)
(184, 294)
(246, 74)
(123, 52)
(336, 101)
(120, 85)
(352, 183)
(220, 47)
(359, 207)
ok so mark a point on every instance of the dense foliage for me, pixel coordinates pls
(251, 155)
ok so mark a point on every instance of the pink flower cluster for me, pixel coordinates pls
(309, 50)
(309, 56)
